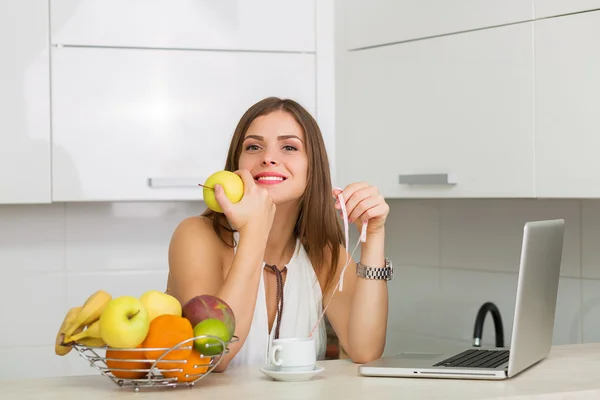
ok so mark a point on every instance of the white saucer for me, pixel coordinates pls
(290, 376)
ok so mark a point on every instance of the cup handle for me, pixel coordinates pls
(274, 351)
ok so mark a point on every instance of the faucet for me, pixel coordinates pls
(478, 331)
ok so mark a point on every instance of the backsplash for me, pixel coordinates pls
(454, 255)
(450, 257)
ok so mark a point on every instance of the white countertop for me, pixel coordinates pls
(570, 372)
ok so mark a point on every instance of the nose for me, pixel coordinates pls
(268, 160)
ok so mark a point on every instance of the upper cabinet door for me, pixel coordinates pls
(444, 117)
(24, 103)
(275, 25)
(124, 116)
(376, 22)
(548, 8)
(567, 65)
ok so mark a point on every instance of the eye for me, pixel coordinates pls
(252, 147)
(289, 148)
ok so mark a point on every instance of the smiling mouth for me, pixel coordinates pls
(273, 179)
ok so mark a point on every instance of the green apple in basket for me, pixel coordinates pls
(124, 322)
(208, 346)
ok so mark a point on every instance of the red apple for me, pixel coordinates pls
(206, 306)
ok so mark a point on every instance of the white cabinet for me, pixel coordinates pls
(460, 106)
(376, 22)
(24, 102)
(548, 8)
(123, 116)
(274, 25)
(567, 67)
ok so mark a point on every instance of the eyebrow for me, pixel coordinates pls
(280, 137)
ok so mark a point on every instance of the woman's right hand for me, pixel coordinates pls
(254, 213)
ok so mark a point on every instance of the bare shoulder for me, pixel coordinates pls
(195, 258)
(196, 227)
(195, 234)
(192, 226)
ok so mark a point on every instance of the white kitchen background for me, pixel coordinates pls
(112, 111)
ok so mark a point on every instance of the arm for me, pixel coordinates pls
(195, 268)
(359, 313)
(195, 258)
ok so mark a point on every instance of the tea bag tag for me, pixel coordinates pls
(361, 239)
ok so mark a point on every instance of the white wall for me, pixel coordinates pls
(53, 257)
(450, 257)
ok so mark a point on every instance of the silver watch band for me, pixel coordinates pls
(382, 273)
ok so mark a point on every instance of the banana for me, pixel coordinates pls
(68, 321)
(91, 342)
(92, 332)
(90, 311)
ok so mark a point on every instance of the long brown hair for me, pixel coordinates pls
(317, 227)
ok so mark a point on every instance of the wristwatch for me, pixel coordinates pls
(383, 273)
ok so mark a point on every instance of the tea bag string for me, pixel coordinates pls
(349, 256)
(279, 276)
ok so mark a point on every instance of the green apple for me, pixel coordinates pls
(159, 303)
(124, 322)
(208, 346)
(231, 183)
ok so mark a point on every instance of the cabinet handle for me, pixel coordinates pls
(175, 182)
(427, 179)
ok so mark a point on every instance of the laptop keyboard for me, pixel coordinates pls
(476, 358)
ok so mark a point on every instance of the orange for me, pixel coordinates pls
(165, 332)
(122, 362)
(196, 365)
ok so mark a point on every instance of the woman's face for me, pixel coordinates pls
(274, 151)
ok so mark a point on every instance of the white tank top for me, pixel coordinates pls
(302, 308)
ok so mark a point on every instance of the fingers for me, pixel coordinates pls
(347, 192)
(247, 179)
(222, 199)
(371, 207)
(360, 195)
(362, 202)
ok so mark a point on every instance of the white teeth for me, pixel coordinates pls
(270, 178)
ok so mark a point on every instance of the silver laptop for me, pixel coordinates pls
(533, 325)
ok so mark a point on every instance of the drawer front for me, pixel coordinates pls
(549, 8)
(567, 61)
(274, 25)
(123, 116)
(24, 103)
(444, 117)
(375, 22)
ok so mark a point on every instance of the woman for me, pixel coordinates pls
(282, 243)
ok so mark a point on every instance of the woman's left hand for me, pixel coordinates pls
(364, 203)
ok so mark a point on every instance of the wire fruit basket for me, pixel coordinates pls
(160, 371)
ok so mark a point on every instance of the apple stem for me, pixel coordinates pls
(131, 316)
(208, 187)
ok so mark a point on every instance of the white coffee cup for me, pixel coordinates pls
(293, 354)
